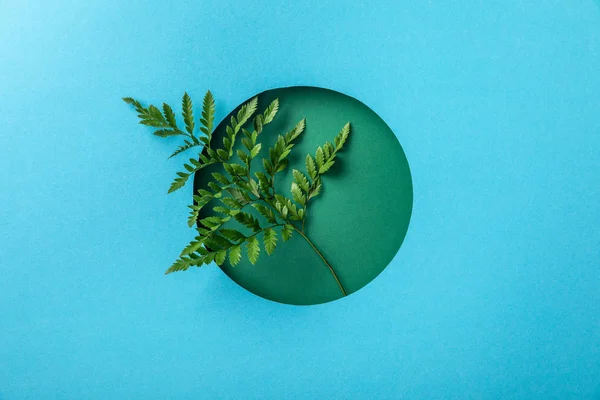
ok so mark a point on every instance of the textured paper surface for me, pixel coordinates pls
(358, 221)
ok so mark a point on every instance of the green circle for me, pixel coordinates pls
(359, 220)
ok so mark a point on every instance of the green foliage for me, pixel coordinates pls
(239, 195)
(253, 247)
(188, 114)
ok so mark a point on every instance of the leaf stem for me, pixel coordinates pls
(337, 280)
(257, 232)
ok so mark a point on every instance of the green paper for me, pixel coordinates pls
(358, 221)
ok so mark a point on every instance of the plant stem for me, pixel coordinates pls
(322, 258)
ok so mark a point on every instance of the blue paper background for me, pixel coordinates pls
(495, 293)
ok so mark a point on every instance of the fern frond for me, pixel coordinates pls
(341, 138)
(188, 113)
(297, 194)
(286, 232)
(170, 116)
(311, 168)
(166, 133)
(246, 112)
(253, 249)
(277, 161)
(193, 246)
(179, 182)
(214, 242)
(208, 115)
(220, 257)
(270, 112)
(186, 146)
(300, 180)
(232, 234)
(248, 221)
(266, 212)
(150, 116)
(235, 254)
(270, 239)
(185, 262)
(294, 133)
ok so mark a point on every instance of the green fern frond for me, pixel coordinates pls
(253, 249)
(170, 116)
(188, 113)
(270, 240)
(286, 232)
(301, 180)
(208, 115)
(246, 112)
(216, 241)
(270, 112)
(235, 254)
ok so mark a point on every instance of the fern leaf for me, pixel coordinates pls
(194, 214)
(255, 150)
(154, 118)
(270, 239)
(328, 150)
(192, 247)
(239, 195)
(217, 242)
(166, 133)
(208, 258)
(232, 234)
(183, 263)
(179, 182)
(178, 265)
(247, 220)
(220, 178)
(315, 189)
(150, 116)
(223, 154)
(200, 202)
(208, 114)
(297, 194)
(320, 157)
(270, 112)
(221, 210)
(243, 156)
(220, 257)
(286, 232)
(235, 254)
(264, 182)
(268, 166)
(169, 115)
(188, 145)
(253, 248)
(341, 138)
(300, 180)
(245, 113)
(137, 105)
(211, 222)
(325, 167)
(247, 142)
(311, 167)
(265, 212)
(296, 131)
(258, 126)
(188, 114)
(231, 202)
